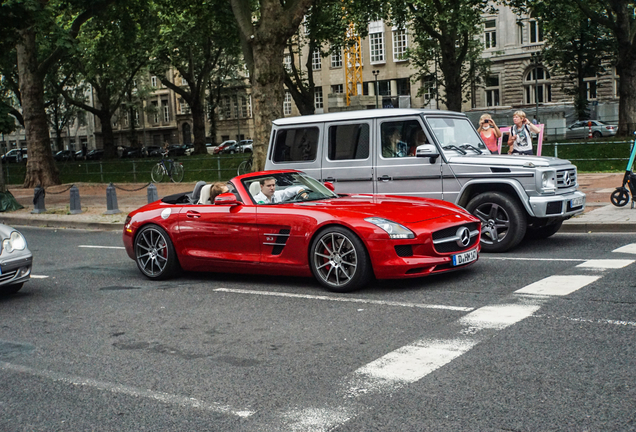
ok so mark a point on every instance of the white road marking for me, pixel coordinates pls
(592, 321)
(605, 264)
(497, 317)
(38, 276)
(346, 299)
(557, 285)
(314, 419)
(481, 257)
(184, 401)
(101, 247)
(630, 249)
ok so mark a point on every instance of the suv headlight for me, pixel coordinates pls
(393, 229)
(548, 182)
(16, 241)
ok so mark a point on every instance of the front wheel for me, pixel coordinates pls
(620, 197)
(155, 254)
(339, 260)
(177, 172)
(597, 134)
(244, 167)
(503, 221)
(157, 173)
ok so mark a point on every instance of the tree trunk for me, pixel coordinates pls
(40, 168)
(627, 94)
(452, 82)
(267, 94)
(198, 127)
(108, 138)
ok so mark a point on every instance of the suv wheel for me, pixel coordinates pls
(503, 221)
(544, 231)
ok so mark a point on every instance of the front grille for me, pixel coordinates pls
(404, 250)
(446, 240)
(554, 207)
(7, 276)
(566, 178)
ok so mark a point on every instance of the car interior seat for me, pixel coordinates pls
(196, 192)
(255, 188)
(204, 198)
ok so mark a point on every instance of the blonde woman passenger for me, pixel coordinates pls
(521, 134)
(489, 132)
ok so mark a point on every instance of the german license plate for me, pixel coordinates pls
(576, 202)
(465, 257)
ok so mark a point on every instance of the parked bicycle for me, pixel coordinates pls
(167, 167)
(245, 166)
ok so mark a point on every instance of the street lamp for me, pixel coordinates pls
(536, 58)
(375, 74)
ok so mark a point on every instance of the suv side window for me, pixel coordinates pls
(401, 138)
(350, 141)
(296, 145)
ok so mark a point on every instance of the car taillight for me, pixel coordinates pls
(609, 127)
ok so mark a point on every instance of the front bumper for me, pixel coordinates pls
(558, 206)
(16, 269)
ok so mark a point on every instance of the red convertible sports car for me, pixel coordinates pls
(287, 223)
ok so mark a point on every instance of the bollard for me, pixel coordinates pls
(152, 193)
(38, 200)
(111, 200)
(76, 207)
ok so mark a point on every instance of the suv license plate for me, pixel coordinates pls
(576, 202)
(465, 258)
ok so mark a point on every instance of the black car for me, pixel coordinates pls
(132, 152)
(95, 154)
(153, 151)
(64, 155)
(15, 155)
(176, 150)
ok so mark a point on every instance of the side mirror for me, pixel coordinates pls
(330, 186)
(427, 151)
(226, 199)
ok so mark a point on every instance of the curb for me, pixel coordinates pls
(65, 224)
(597, 227)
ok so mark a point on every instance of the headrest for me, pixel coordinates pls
(255, 188)
(205, 195)
(196, 192)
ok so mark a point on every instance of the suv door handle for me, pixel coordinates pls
(385, 178)
(193, 214)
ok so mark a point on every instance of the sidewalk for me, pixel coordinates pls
(600, 215)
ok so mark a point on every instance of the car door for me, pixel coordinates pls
(219, 236)
(282, 233)
(347, 161)
(401, 174)
(576, 131)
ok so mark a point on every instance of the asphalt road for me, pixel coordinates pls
(540, 339)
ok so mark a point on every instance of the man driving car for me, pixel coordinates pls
(269, 194)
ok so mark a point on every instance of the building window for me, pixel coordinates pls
(428, 89)
(537, 86)
(153, 81)
(337, 88)
(155, 111)
(126, 116)
(166, 111)
(376, 45)
(287, 103)
(136, 117)
(616, 84)
(492, 91)
(184, 108)
(536, 31)
(490, 34)
(400, 45)
(243, 107)
(316, 60)
(227, 108)
(336, 58)
(318, 100)
(590, 87)
(287, 62)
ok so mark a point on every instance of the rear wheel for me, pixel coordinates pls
(503, 221)
(157, 173)
(597, 134)
(339, 260)
(244, 167)
(177, 172)
(155, 254)
(620, 197)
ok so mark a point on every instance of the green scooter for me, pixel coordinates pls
(620, 196)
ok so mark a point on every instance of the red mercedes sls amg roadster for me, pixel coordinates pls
(285, 222)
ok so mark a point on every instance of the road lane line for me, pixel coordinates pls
(101, 247)
(183, 401)
(591, 321)
(630, 249)
(497, 317)
(346, 299)
(557, 285)
(481, 257)
(605, 264)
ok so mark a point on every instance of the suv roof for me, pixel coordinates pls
(360, 114)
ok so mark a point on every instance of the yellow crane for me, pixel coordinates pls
(353, 63)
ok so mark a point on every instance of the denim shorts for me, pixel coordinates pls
(527, 152)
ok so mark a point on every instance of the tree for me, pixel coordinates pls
(193, 38)
(264, 28)
(59, 111)
(42, 32)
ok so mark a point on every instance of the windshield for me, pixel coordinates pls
(286, 188)
(457, 136)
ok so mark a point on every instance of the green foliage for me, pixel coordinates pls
(7, 121)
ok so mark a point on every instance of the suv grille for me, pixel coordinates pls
(566, 178)
(447, 240)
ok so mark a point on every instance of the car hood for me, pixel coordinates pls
(508, 160)
(397, 209)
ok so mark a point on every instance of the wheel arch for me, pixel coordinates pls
(510, 187)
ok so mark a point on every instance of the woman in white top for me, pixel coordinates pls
(520, 133)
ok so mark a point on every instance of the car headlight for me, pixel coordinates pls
(393, 229)
(16, 241)
(548, 181)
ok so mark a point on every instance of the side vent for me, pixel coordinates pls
(279, 243)
(499, 170)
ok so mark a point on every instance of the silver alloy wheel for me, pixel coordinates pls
(495, 222)
(335, 259)
(151, 252)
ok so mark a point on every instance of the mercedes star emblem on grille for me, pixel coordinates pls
(463, 236)
(566, 179)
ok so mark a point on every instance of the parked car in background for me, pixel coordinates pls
(16, 260)
(95, 154)
(232, 148)
(15, 155)
(210, 148)
(189, 148)
(154, 151)
(223, 145)
(581, 129)
(64, 155)
(176, 150)
(132, 152)
(246, 146)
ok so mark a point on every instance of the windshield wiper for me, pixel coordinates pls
(473, 148)
(454, 147)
